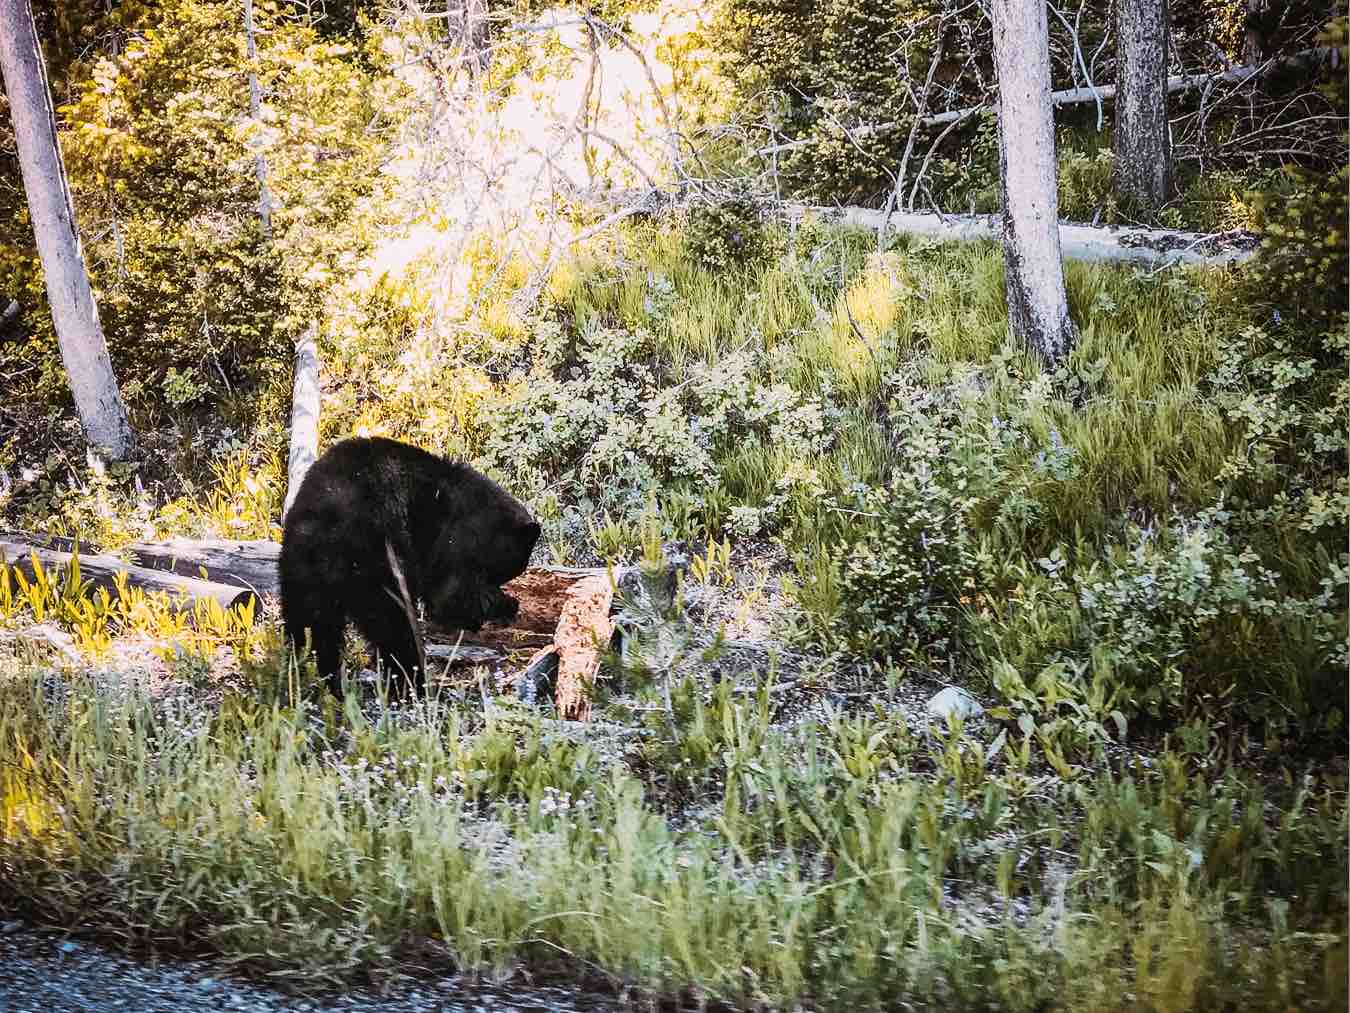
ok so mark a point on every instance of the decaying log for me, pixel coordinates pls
(584, 630)
(250, 564)
(103, 570)
(543, 593)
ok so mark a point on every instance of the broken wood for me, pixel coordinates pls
(463, 654)
(103, 570)
(584, 630)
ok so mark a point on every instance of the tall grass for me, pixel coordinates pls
(830, 869)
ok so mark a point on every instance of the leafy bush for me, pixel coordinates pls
(598, 424)
(902, 581)
(1179, 619)
(728, 236)
(1304, 261)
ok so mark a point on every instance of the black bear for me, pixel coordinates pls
(378, 524)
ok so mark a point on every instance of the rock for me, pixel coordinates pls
(954, 702)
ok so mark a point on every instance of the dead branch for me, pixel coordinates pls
(1071, 96)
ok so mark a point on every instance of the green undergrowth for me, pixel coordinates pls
(1148, 540)
(1157, 526)
(852, 862)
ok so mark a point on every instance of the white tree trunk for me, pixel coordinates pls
(1038, 307)
(74, 313)
(1143, 144)
(304, 418)
(255, 114)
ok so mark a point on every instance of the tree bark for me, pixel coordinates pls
(1143, 145)
(1038, 306)
(74, 312)
(1254, 40)
(467, 23)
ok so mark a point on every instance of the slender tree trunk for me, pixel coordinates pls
(304, 417)
(74, 312)
(255, 114)
(467, 23)
(1038, 306)
(1253, 37)
(1143, 144)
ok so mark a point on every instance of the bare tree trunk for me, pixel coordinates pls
(1038, 306)
(1253, 36)
(1143, 145)
(467, 22)
(255, 114)
(304, 418)
(74, 312)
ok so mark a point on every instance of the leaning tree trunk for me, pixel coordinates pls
(1143, 145)
(1038, 306)
(74, 312)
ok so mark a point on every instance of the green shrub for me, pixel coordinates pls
(600, 425)
(1304, 262)
(728, 236)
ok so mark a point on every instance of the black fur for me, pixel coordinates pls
(368, 505)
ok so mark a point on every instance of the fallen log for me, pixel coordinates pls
(102, 570)
(250, 564)
(1161, 247)
(1157, 247)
